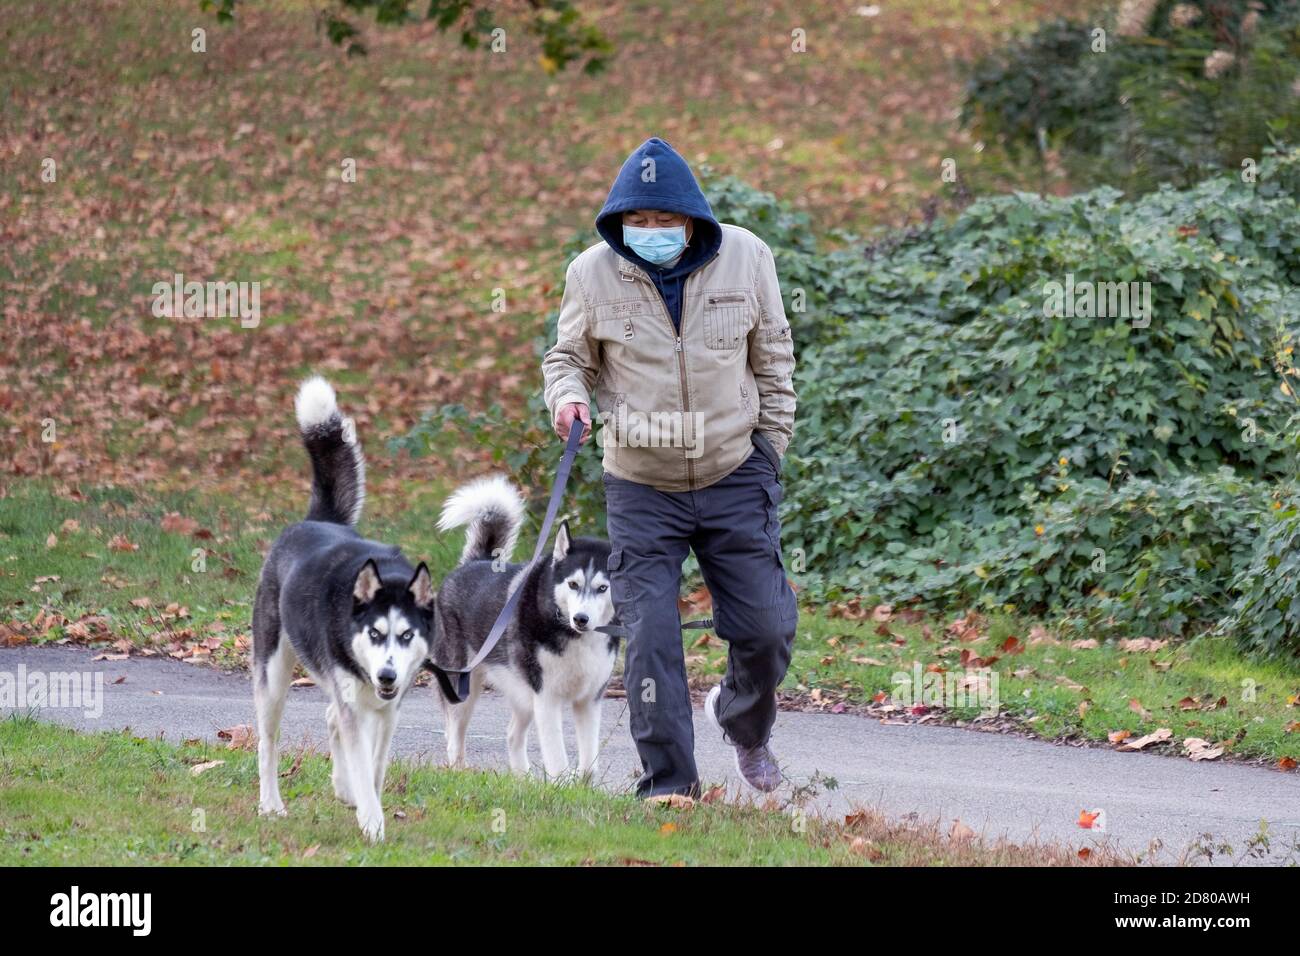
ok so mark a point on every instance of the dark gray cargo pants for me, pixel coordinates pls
(733, 528)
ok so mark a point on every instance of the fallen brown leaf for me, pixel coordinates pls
(1198, 749)
(1156, 736)
(960, 832)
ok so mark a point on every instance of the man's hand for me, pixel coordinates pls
(565, 417)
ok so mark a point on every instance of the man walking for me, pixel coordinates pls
(676, 322)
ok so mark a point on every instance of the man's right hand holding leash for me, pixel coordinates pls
(566, 416)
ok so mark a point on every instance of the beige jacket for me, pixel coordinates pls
(676, 411)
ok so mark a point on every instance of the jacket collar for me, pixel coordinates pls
(626, 268)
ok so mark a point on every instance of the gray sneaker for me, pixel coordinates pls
(756, 765)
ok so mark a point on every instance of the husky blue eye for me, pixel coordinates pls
(602, 589)
(405, 635)
(375, 635)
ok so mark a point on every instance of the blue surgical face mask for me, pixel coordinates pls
(656, 245)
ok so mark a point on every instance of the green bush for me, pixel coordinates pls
(950, 418)
(1266, 616)
(1044, 87)
(1150, 108)
(1138, 551)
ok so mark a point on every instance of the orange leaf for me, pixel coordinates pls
(119, 542)
(173, 522)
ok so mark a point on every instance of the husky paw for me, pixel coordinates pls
(372, 825)
(342, 792)
(272, 808)
(561, 778)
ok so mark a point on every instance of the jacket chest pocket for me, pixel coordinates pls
(727, 319)
(618, 321)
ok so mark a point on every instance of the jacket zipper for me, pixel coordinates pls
(681, 364)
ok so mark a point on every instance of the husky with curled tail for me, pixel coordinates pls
(550, 657)
(353, 612)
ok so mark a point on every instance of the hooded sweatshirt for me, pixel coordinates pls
(656, 177)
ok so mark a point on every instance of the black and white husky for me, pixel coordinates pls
(354, 612)
(550, 656)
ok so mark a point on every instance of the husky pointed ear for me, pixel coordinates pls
(367, 584)
(421, 587)
(562, 542)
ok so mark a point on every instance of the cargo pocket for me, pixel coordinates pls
(726, 320)
(625, 614)
(617, 585)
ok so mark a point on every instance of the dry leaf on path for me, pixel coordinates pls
(1155, 737)
(1198, 749)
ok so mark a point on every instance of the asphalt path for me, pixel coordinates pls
(999, 785)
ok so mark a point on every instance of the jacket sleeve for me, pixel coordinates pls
(572, 364)
(771, 357)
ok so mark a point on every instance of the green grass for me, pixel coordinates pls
(1058, 690)
(143, 805)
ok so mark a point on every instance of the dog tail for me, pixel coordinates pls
(338, 486)
(493, 509)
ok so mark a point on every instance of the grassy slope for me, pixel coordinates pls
(144, 806)
(473, 170)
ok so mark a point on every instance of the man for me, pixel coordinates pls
(676, 322)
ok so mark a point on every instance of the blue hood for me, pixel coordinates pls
(673, 190)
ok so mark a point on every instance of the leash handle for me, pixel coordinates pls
(460, 690)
